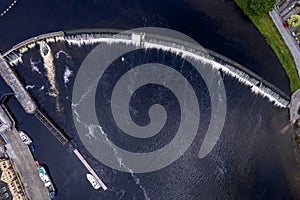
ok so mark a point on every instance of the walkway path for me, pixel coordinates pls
(287, 37)
(23, 160)
(12, 80)
(25, 165)
(295, 103)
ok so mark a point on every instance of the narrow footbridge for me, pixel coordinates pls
(58, 134)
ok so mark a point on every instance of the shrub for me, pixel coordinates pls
(294, 20)
(257, 7)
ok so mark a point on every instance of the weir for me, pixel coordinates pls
(26, 101)
(186, 49)
(14, 55)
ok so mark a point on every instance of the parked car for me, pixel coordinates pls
(291, 7)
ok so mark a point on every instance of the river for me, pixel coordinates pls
(251, 159)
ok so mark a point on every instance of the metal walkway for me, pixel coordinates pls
(59, 135)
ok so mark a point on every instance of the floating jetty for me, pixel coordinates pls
(89, 168)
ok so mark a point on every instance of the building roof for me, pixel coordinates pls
(4, 191)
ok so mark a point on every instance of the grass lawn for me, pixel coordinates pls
(265, 25)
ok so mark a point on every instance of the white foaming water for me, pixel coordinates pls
(31, 45)
(34, 65)
(119, 159)
(57, 55)
(42, 88)
(90, 39)
(14, 58)
(47, 56)
(67, 75)
(29, 87)
(25, 48)
(92, 135)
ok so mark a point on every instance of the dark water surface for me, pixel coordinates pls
(217, 25)
(250, 161)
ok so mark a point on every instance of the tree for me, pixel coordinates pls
(257, 7)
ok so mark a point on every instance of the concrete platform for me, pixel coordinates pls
(25, 166)
(5, 122)
(14, 83)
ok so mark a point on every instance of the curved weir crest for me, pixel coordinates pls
(184, 49)
(256, 86)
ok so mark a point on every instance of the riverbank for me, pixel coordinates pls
(265, 25)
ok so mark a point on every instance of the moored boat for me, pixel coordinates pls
(47, 181)
(31, 147)
(25, 138)
(93, 181)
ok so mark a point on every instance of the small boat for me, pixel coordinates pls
(46, 179)
(31, 147)
(93, 181)
(25, 138)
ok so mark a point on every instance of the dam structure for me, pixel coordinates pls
(26, 101)
(155, 41)
(14, 55)
(11, 58)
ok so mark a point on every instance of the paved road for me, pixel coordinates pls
(295, 51)
(287, 37)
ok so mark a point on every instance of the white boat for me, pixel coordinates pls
(25, 138)
(93, 181)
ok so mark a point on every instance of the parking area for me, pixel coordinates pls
(289, 12)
